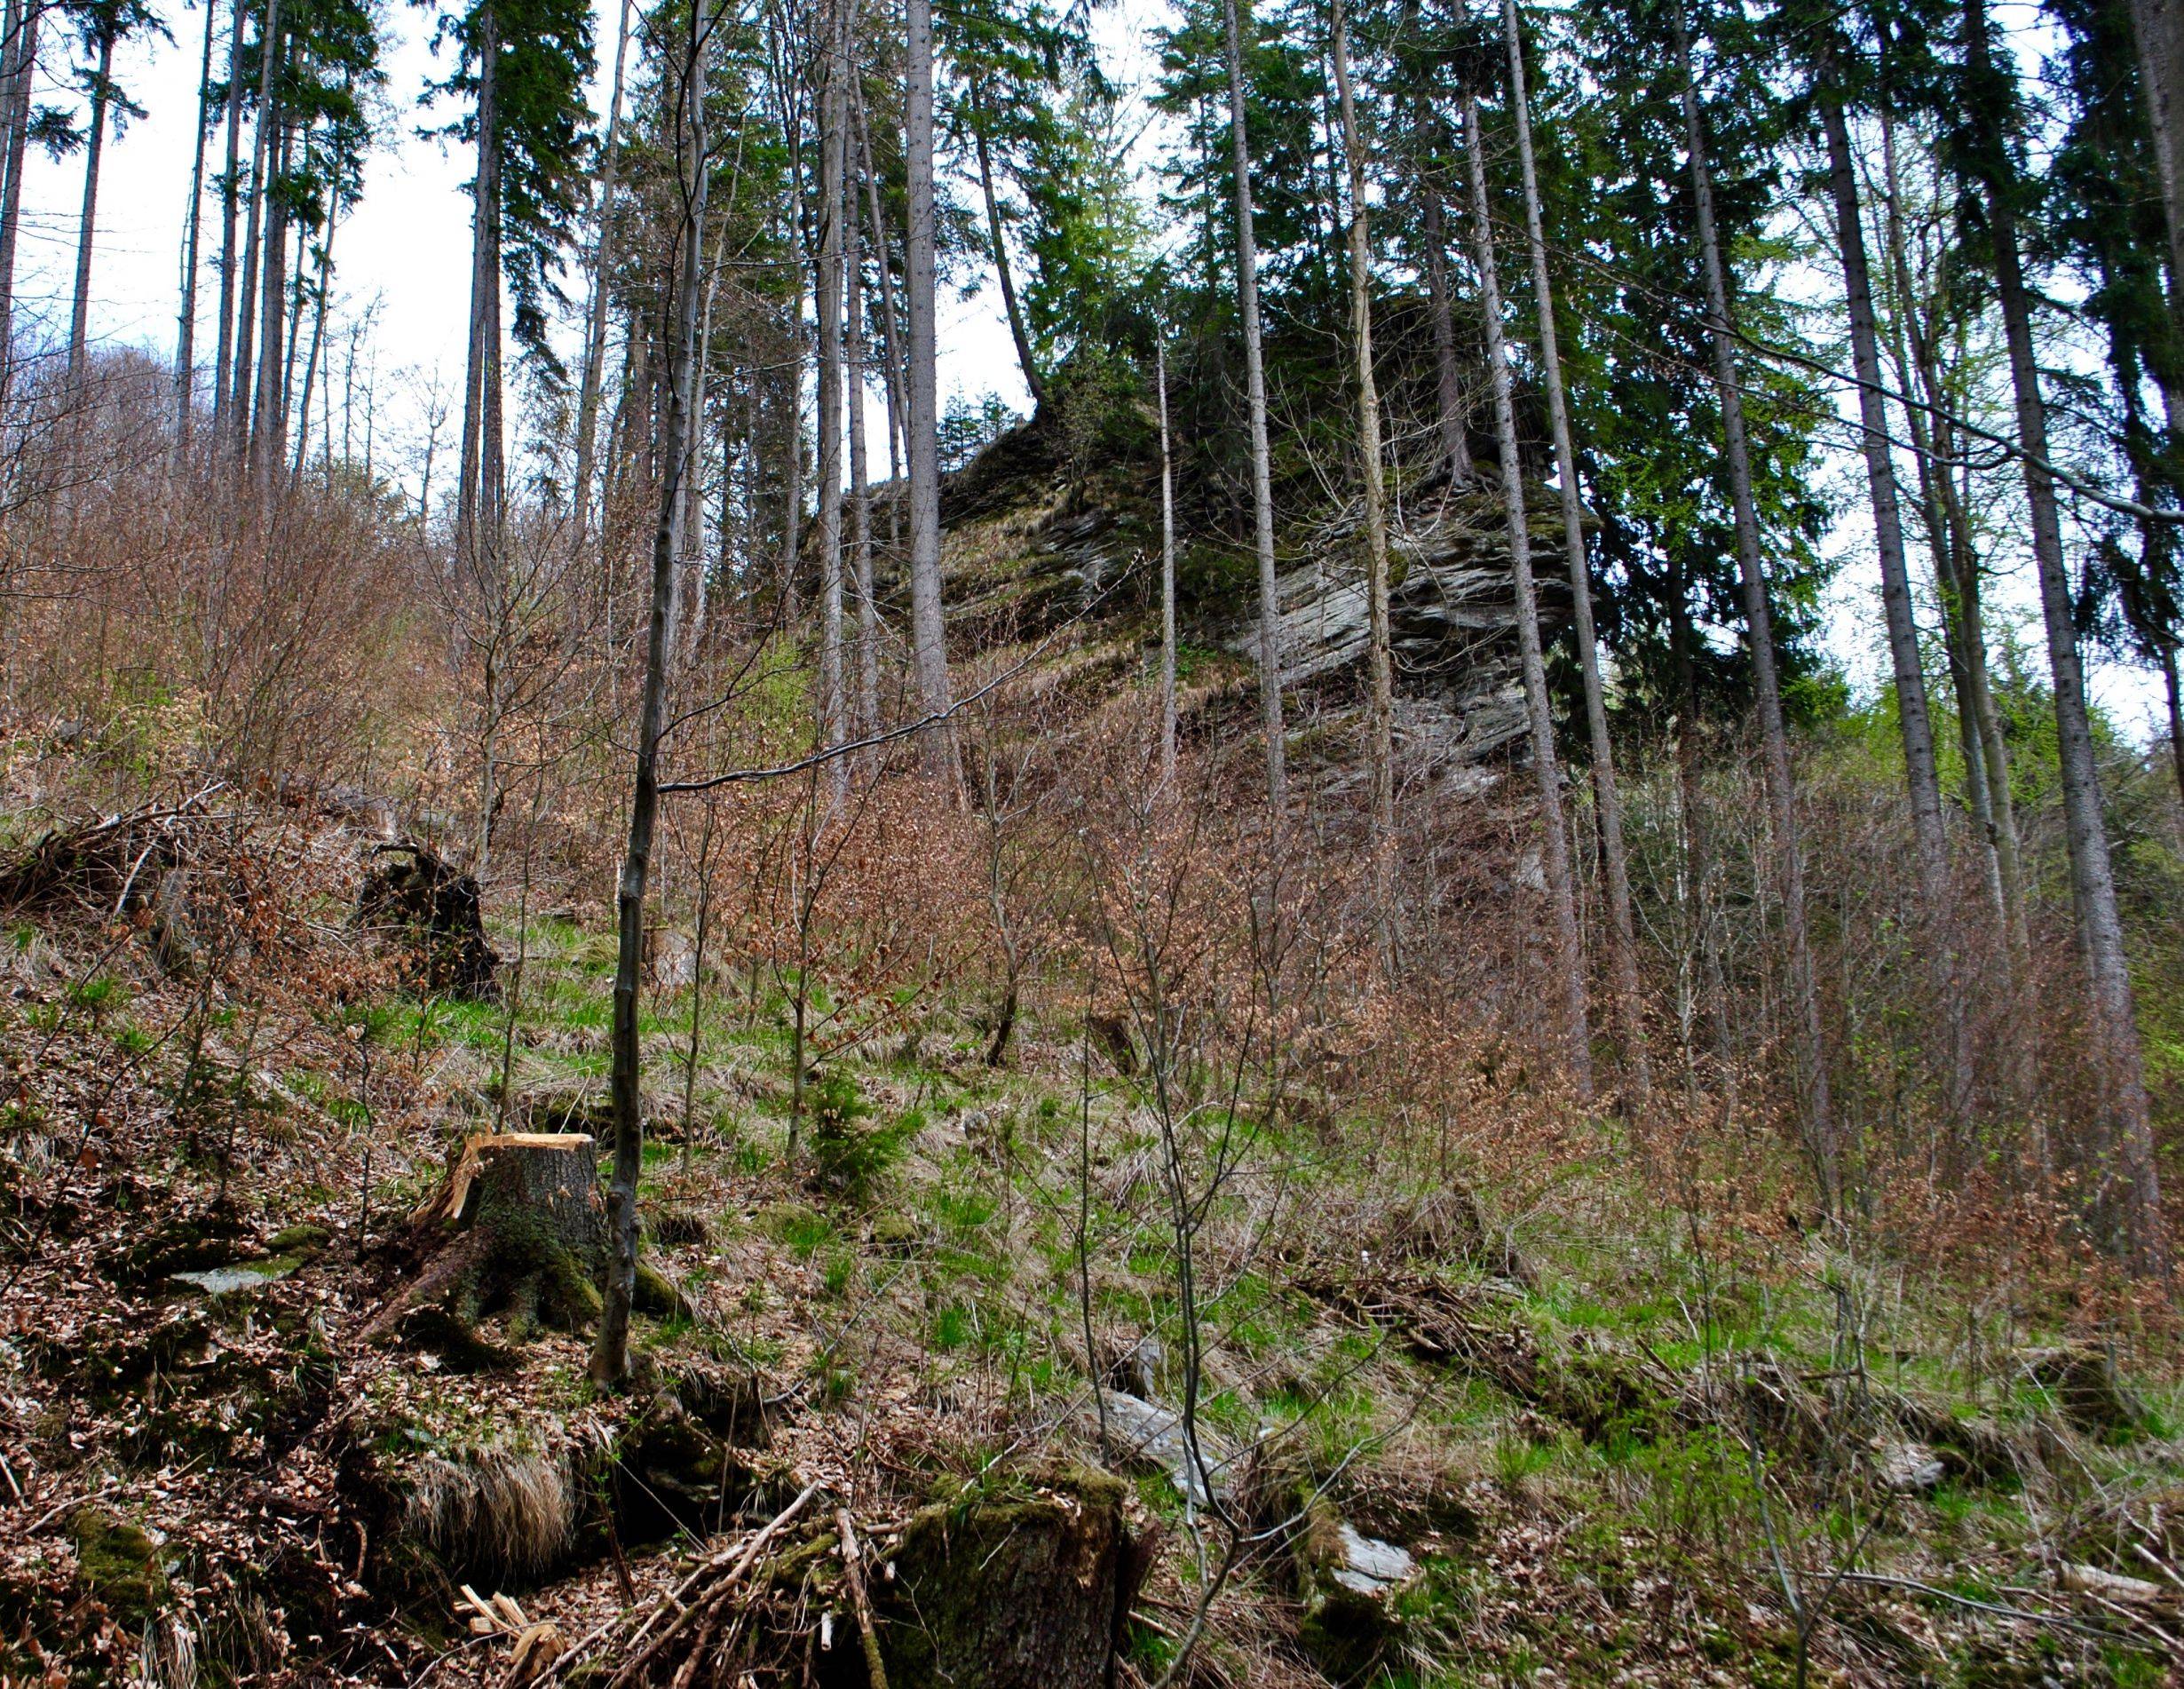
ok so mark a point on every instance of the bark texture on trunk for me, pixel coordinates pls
(1570, 944)
(2127, 1184)
(1614, 860)
(1255, 399)
(610, 1355)
(927, 630)
(87, 226)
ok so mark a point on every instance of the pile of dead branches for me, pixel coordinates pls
(729, 1609)
(104, 865)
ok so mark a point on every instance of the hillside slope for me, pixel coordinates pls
(1456, 1416)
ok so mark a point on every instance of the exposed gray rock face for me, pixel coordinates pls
(1024, 550)
(1451, 609)
(1148, 1434)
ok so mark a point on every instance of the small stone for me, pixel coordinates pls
(239, 1275)
(1909, 1469)
(1154, 1435)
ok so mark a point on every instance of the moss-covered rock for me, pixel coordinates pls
(1346, 1588)
(305, 1243)
(118, 1565)
(1019, 1590)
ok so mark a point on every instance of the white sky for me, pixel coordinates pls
(406, 245)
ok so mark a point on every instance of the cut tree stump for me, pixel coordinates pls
(518, 1226)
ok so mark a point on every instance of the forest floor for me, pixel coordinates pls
(1620, 1437)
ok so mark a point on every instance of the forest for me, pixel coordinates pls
(1464, 967)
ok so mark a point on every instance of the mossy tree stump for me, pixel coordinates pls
(1023, 1591)
(519, 1227)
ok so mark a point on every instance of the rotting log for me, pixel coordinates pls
(517, 1225)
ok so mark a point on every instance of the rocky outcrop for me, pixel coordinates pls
(1452, 609)
(1026, 549)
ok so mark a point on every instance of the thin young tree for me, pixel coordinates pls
(1546, 768)
(609, 1354)
(2126, 1195)
(1614, 859)
(1815, 1096)
(1254, 400)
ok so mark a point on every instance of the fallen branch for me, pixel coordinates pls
(2024, 1615)
(736, 1561)
(876, 1669)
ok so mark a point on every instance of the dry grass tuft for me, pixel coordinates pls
(516, 1512)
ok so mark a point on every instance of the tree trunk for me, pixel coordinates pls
(2127, 1194)
(595, 315)
(1782, 797)
(867, 715)
(1448, 376)
(1569, 945)
(2157, 31)
(690, 521)
(185, 322)
(231, 191)
(1623, 930)
(2176, 717)
(87, 226)
(1380, 728)
(323, 290)
(19, 66)
(897, 413)
(246, 295)
(1255, 399)
(826, 299)
(1957, 571)
(485, 291)
(1912, 719)
(610, 1356)
(1025, 357)
(928, 632)
(792, 479)
(269, 418)
(1167, 570)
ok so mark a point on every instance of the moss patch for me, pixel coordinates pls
(118, 1565)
